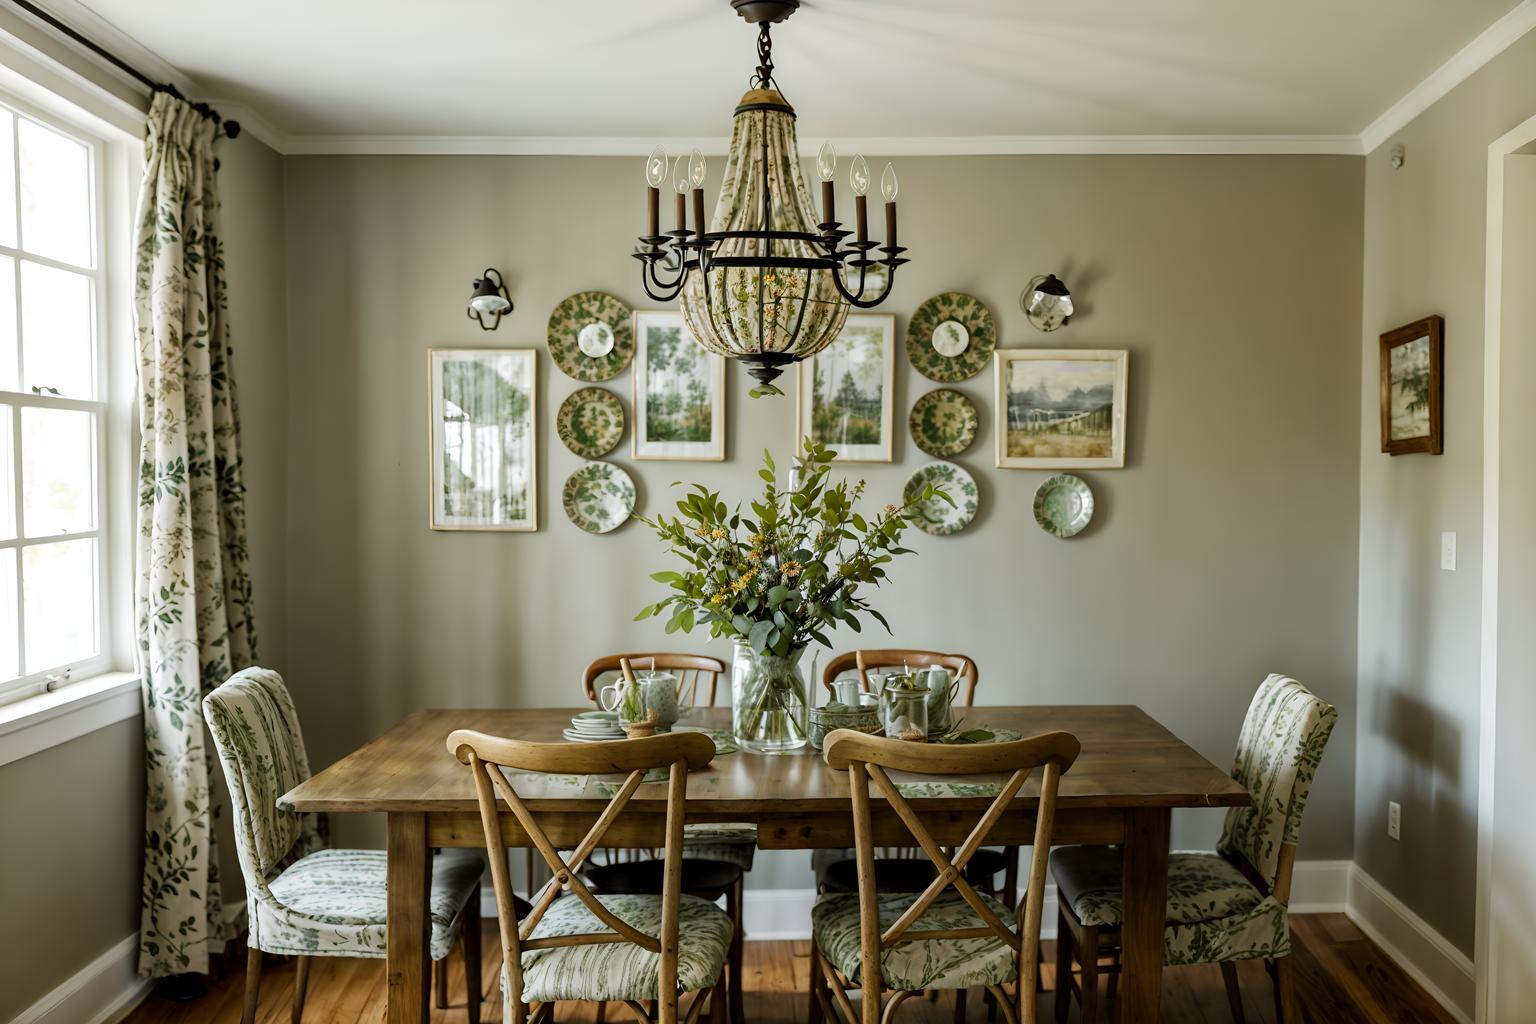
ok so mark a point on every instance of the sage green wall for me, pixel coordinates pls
(1225, 550)
(1419, 626)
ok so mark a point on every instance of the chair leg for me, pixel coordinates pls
(440, 983)
(735, 984)
(252, 984)
(1088, 964)
(602, 1010)
(1234, 994)
(1112, 989)
(959, 1006)
(300, 988)
(1063, 968)
(1285, 991)
(469, 939)
(813, 1013)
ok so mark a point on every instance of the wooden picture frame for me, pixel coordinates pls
(708, 372)
(1061, 408)
(848, 353)
(1413, 388)
(483, 418)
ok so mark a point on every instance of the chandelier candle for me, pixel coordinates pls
(764, 283)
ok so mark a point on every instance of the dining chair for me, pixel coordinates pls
(302, 899)
(875, 940)
(573, 944)
(1225, 906)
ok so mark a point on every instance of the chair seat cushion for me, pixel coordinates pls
(924, 964)
(334, 903)
(1201, 886)
(623, 970)
(731, 842)
(837, 871)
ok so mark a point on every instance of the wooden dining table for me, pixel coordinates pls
(1130, 776)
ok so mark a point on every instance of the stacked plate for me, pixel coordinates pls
(595, 727)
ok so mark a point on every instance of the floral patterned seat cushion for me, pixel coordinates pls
(623, 970)
(727, 841)
(1201, 886)
(924, 964)
(333, 903)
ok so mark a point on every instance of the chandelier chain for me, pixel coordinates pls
(764, 77)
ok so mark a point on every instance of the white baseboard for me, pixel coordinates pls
(1430, 959)
(101, 992)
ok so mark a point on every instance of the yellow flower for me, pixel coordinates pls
(702, 531)
(891, 510)
(790, 569)
(719, 533)
(754, 555)
(741, 582)
(718, 597)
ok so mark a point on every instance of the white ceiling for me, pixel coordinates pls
(854, 68)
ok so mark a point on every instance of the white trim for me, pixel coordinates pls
(1425, 955)
(1485, 947)
(715, 145)
(34, 724)
(1320, 886)
(1493, 41)
(104, 991)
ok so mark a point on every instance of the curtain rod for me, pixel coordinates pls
(230, 129)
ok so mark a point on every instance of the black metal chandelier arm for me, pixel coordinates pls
(856, 298)
(656, 288)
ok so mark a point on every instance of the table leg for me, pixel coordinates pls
(410, 879)
(1145, 891)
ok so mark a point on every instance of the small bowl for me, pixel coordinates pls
(824, 720)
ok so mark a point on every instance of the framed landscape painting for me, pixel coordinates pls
(844, 399)
(1411, 387)
(1061, 408)
(484, 416)
(679, 392)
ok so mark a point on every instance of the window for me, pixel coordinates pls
(53, 405)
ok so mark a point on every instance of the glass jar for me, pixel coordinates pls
(905, 714)
(768, 701)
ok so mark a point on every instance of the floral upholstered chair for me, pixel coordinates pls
(301, 899)
(948, 935)
(1224, 906)
(645, 951)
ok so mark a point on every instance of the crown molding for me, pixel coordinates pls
(958, 145)
(253, 121)
(1494, 40)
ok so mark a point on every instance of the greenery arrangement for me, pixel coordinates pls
(803, 561)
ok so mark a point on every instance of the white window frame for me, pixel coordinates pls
(109, 561)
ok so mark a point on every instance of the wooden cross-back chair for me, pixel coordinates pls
(638, 950)
(698, 675)
(906, 943)
(867, 661)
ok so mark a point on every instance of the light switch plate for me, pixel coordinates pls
(1448, 552)
(1394, 820)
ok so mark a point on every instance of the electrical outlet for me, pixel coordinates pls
(1448, 552)
(1394, 820)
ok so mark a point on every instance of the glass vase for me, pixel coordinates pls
(768, 701)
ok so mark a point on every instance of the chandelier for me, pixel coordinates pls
(766, 284)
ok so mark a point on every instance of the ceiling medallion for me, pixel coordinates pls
(767, 284)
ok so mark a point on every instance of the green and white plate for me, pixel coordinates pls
(1063, 505)
(590, 422)
(591, 336)
(938, 516)
(943, 423)
(951, 337)
(598, 497)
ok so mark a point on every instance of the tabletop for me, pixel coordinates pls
(1128, 760)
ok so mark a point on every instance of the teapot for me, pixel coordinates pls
(650, 696)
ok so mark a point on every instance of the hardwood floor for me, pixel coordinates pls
(1341, 978)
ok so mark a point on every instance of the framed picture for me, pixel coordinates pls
(844, 398)
(679, 392)
(1411, 387)
(484, 444)
(1061, 408)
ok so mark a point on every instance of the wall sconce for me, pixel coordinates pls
(1046, 302)
(490, 299)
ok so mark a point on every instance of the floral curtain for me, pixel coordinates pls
(195, 619)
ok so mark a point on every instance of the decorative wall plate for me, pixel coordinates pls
(951, 323)
(590, 422)
(1063, 505)
(590, 336)
(599, 497)
(938, 516)
(943, 423)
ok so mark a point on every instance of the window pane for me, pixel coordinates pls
(58, 467)
(58, 328)
(10, 628)
(7, 324)
(7, 478)
(7, 179)
(59, 603)
(55, 194)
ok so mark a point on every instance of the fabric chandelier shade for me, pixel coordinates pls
(764, 316)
